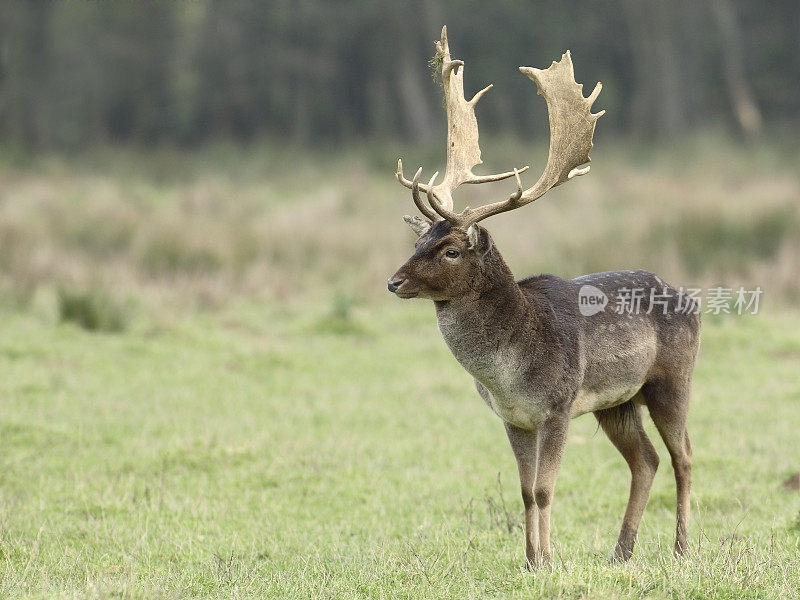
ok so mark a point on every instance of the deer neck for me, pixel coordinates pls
(493, 327)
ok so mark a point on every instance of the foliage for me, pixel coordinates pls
(435, 63)
(92, 309)
(715, 243)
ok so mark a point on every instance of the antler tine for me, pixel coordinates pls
(417, 200)
(571, 129)
(518, 194)
(442, 210)
(479, 95)
(415, 187)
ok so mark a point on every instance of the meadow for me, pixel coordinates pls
(207, 392)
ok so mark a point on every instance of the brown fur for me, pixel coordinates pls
(538, 362)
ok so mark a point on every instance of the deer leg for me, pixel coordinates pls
(668, 406)
(523, 443)
(623, 426)
(551, 442)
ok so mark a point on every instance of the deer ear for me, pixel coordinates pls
(480, 242)
(420, 226)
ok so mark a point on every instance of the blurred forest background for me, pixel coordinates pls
(202, 150)
(73, 74)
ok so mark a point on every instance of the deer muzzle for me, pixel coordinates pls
(394, 284)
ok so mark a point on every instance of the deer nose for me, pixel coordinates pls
(394, 285)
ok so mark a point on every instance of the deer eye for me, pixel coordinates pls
(451, 253)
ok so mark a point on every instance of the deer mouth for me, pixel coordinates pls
(406, 295)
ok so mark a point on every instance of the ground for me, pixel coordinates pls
(294, 450)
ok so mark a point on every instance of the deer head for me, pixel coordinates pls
(452, 248)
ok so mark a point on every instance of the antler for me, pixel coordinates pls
(463, 152)
(571, 129)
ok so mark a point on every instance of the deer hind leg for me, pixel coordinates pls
(523, 443)
(668, 405)
(623, 426)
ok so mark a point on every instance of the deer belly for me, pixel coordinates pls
(590, 401)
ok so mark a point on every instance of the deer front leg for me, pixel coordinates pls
(523, 443)
(551, 441)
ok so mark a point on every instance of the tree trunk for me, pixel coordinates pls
(743, 103)
(35, 58)
(659, 107)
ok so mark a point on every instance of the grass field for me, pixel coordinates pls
(290, 453)
(206, 391)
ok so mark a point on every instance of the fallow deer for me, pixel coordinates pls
(537, 359)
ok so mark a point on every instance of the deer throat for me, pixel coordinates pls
(492, 337)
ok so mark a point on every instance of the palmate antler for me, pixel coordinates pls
(463, 151)
(571, 129)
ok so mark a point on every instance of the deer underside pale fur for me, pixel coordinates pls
(537, 359)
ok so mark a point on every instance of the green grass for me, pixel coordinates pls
(332, 450)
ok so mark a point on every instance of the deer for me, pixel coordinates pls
(538, 360)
